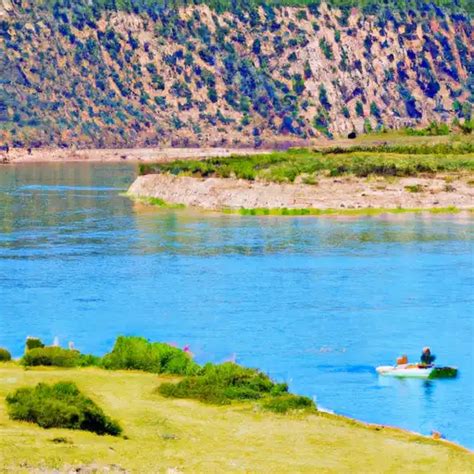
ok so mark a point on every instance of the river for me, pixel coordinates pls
(316, 302)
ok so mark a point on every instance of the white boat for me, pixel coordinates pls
(417, 371)
(406, 370)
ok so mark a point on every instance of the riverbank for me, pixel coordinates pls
(174, 436)
(110, 155)
(420, 176)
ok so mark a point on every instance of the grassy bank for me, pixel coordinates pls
(307, 164)
(162, 433)
(341, 212)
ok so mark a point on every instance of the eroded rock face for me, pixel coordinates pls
(6, 7)
(348, 193)
(190, 76)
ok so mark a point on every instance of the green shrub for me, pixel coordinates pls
(139, 354)
(5, 356)
(220, 384)
(88, 360)
(433, 129)
(326, 48)
(60, 406)
(288, 402)
(51, 356)
(414, 188)
(33, 343)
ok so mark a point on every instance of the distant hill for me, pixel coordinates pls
(217, 72)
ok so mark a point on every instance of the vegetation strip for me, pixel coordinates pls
(281, 167)
(341, 212)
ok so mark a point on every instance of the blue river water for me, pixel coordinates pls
(316, 302)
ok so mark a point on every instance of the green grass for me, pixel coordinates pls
(361, 161)
(176, 435)
(339, 212)
(211, 383)
(151, 201)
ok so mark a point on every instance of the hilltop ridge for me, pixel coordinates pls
(114, 73)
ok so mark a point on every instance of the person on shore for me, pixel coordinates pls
(427, 358)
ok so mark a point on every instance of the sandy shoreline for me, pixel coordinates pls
(133, 155)
(329, 193)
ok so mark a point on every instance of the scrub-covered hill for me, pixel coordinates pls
(222, 72)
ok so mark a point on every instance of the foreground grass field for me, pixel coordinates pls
(168, 435)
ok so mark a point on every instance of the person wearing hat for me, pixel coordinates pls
(427, 358)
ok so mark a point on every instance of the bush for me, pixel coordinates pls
(220, 384)
(33, 343)
(5, 356)
(51, 356)
(414, 188)
(139, 354)
(433, 129)
(289, 402)
(60, 406)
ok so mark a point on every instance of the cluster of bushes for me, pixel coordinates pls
(221, 384)
(5, 355)
(462, 148)
(128, 353)
(433, 129)
(360, 161)
(137, 353)
(61, 405)
(88, 12)
(57, 357)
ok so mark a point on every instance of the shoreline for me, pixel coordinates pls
(163, 154)
(321, 412)
(306, 212)
(342, 196)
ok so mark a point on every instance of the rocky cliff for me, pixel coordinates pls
(108, 73)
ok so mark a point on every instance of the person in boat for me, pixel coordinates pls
(403, 360)
(427, 358)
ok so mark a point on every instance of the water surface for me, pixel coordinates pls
(315, 302)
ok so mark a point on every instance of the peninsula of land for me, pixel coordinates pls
(418, 176)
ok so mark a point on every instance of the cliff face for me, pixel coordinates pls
(195, 76)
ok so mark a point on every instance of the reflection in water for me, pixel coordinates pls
(316, 302)
(429, 388)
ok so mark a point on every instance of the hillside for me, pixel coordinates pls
(185, 436)
(122, 72)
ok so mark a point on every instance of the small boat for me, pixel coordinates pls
(417, 371)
